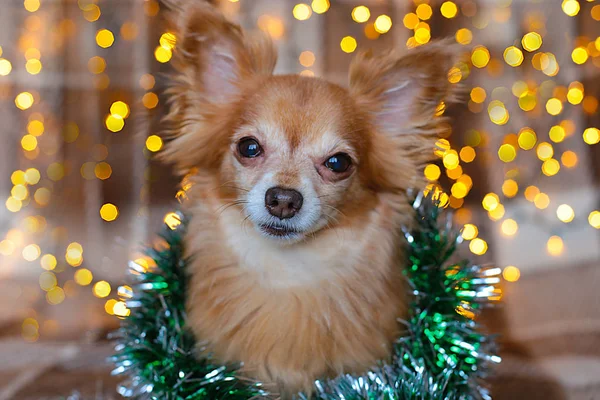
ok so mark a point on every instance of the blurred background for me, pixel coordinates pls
(80, 101)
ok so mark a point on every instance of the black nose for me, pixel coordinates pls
(283, 203)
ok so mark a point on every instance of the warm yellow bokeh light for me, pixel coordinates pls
(459, 190)
(557, 133)
(83, 276)
(109, 212)
(120, 108)
(422, 36)
(555, 246)
(531, 41)
(348, 44)
(480, 56)
(29, 142)
(24, 100)
(575, 95)
(47, 280)
(55, 296)
(513, 56)
(7, 247)
(19, 192)
(550, 167)
(307, 59)
(579, 55)
(490, 201)
(569, 159)
(31, 5)
(361, 14)
(109, 305)
(541, 201)
(101, 289)
(591, 136)
(531, 192)
(470, 232)
(449, 9)
(105, 38)
(103, 170)
(31, 252)
(464, 36)
(150, 100)
(35, 128)
(5, 67)
(497, 213)
(33, 66)
(570, 7)
(510, 188)
(163, 54)
(527, 138)
(451, 159)
(511, 273)
(383, 23)
(594, 219)
(498, 113)
(154, 143)
(507, 153)
(554, 106)
(410, 20)
(48, 262)
(565, 213)
(114, 123)
(13, 205)
(478, 246)
(467, 154)
(478, 94)
(432, 172)
(544, 151)
(302, 12)
(168, 40)
(320, 6)
(509, 227)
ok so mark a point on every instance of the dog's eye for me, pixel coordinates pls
(249, 148)
(339, 162)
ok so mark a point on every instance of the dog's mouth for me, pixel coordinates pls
(278, 230)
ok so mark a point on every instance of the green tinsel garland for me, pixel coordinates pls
(443, 355)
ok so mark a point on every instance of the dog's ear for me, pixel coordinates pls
(403, 89)
(401, 92)
(214, 59)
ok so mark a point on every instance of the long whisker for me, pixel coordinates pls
(221, 209)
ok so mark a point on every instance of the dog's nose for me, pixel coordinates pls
(283, 203)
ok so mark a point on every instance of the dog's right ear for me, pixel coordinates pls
(214, 59)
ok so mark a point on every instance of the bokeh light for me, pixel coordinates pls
(511, 273)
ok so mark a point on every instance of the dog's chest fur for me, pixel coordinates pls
(294, 314)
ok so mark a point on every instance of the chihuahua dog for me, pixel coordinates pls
(298, 191)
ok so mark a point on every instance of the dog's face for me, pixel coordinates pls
(297, 154)
(295, 157)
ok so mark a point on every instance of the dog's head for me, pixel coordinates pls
(298, 154)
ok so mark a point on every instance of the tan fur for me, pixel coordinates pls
(329, 302)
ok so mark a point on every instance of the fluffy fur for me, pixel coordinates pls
(324, 298)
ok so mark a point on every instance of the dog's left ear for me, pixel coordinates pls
(400, 92)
